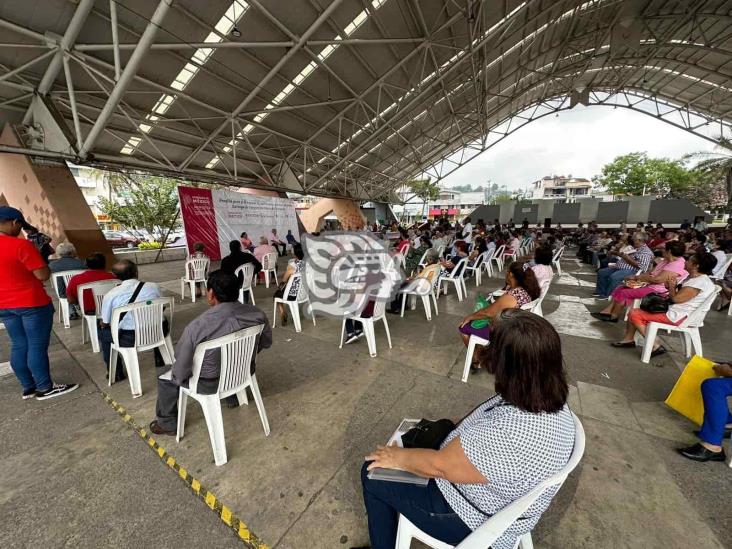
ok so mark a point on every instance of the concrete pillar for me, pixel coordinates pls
(348, 213)
(50, 199)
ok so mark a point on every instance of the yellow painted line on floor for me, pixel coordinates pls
(212, 502)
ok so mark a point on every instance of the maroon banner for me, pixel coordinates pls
(199, 220)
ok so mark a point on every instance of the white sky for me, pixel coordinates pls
(577, 142)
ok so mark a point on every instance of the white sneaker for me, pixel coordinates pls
(351, 338)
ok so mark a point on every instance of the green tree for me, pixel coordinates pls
(144, 202)
(636, 174)
(716, 166)
(424, 189)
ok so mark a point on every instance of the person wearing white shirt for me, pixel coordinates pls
(721, 258)
(278, 244)
(701, 225)
(126, 271)
(467, 228)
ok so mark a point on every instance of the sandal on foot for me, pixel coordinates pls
(621, 344)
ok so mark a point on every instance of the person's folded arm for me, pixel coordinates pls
(184, 351)
(506, 301)
(42, 274)
(449, 463)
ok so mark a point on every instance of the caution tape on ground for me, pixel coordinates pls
(212, 502)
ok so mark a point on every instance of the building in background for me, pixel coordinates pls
(561, 188)
(94, 185)
(451, 203)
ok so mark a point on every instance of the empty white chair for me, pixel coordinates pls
(493, 528)
(89, 322)
(688, 329)
(63, 310)
(535, 306)
(457, 279)
(148, 316)
(368, 326)
(423, 288)
(269, 265)
(472, 343)
(237, 350)
(196, 273)
(247, 273)
(498, 258)
(477, 268)
(293, 305)
(556, 260)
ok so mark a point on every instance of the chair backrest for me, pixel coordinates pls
(269, 261)
(723, 269)
(66, 276)
(197, 268)
(558, 254)
(532, 305)
(379, 309)
(459, 268)
(498, 252)
(696, 317)
(493, 528)
(480, 259)
(148, 317)
(98, 289)
(237, 350)
(247, 272)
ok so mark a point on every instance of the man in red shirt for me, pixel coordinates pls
(26, 309)
(96, 263)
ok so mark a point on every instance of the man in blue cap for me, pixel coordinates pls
(25, 308)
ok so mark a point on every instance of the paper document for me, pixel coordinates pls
(394, 475)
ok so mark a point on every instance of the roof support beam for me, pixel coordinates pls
(69, 37)
(272, 72)
(127, 75)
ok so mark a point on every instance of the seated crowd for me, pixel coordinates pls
(497, 452)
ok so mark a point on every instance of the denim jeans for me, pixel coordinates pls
(716, 411)
(424, 506)
(608, 279)
(29, 329)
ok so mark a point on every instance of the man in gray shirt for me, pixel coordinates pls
(225, 316)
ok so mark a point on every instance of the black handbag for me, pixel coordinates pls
(428, 434)
(654, 303)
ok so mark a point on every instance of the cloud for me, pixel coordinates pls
(577, 142)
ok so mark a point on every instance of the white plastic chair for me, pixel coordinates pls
(724, 269)
(196, 273)
(688, 329)
(293, 305)
(458, 280)
(148, 316)
(498, 258)
(421, 263)
(535, 306)
(423, 288)
(402, 256)
(486, 534)
(368, 326)
(63, 310)
(247, 273)
(269, 265)
(89, 322)
(237, 351)
(556, 260)
(477, 268)
(472, 343)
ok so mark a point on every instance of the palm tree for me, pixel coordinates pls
(718, 164)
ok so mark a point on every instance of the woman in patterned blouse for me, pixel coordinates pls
(496, 454)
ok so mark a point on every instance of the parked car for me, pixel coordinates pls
(119, 239)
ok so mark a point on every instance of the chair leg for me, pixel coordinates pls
(166, 353)
(368, 329)
(251, 296)
(211, 406)
(295, 313)
(459, 289)
(274, 274)
(132, 365)
(388, 333)
(266, 279)
(65, 312)
(434, 300)
(241, 396)
(182, 289)
(84, 323)
(651, 331)
(182, 405)
(696, 343)
(404, 303)
(468, 360)
(525, 542)
(93, 334)
(343, 332)
(113, 354)
(260, 404)
(274, 315)
(193, 290)
(426, 305)
(404, 533)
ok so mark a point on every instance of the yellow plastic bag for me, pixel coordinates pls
(686, 396)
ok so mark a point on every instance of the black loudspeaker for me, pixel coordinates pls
(547, 222)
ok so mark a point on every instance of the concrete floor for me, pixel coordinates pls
(299, 487)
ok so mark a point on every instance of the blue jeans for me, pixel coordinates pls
(29, 329)
(716, 412)
(608, 279)
(424, 506)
